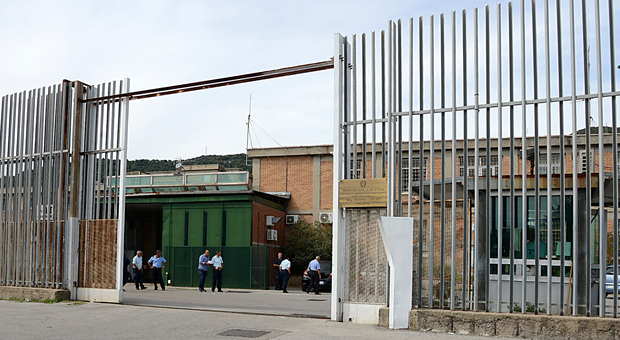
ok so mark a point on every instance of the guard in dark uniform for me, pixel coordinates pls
(276, 265)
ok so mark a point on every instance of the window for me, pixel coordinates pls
(555, 164)
(415, 170)
(471, 166)
(232, 178)
(356, 172)
(530, 235)
(583, 167)
(201, 179)
(167, 180)
(482, 166)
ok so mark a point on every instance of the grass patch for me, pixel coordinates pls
(14, 299)
(46, 300)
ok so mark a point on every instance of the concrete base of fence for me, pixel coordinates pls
(514, 325)
(384, 317)
(34, 294)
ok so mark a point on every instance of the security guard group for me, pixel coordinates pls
(282, 270)
(217, 263)
(156, 263)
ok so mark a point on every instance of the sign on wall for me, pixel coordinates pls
(363, 193)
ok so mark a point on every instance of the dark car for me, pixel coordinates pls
(325, 281)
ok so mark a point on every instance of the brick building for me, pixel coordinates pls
(305, 174)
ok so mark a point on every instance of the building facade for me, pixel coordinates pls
(305, 173)
(200, 208)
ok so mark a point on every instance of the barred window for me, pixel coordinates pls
(555, 164)
(415, 169)
(482, 163)
(357, 171)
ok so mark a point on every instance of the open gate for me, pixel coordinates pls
(63, 163)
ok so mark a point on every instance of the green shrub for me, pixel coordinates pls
(305, 241)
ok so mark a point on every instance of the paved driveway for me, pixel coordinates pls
(266, 302)
(112, 321)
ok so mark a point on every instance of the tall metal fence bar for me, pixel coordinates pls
(497, 131)
(34, 163)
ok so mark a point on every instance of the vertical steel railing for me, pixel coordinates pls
(540, 258)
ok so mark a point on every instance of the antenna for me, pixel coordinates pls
(247, 137)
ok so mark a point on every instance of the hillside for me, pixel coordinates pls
(152, 165)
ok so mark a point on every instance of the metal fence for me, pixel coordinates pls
(55, 151)
(366, 259)
(34, 148)
(497, 130)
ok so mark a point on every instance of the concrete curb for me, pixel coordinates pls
(7, 292)
(514, 325)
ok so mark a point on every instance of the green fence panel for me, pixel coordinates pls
(244, 267)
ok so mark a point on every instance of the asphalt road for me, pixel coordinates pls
(28, 320)
(267, 302)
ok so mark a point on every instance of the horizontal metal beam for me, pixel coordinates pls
(219, 82)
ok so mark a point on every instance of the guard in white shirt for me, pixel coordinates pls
(285, 272)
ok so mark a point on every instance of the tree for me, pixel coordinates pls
(305, 241)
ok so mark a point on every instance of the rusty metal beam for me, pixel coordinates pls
(219, 82)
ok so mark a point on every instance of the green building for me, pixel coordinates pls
(205, 207)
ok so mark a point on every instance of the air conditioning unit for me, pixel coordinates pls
(292, 219)
(326, 217)
(272, 235)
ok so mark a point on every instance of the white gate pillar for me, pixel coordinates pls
(397, 235)
(338, 244)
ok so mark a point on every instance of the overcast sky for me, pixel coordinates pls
(161, 43)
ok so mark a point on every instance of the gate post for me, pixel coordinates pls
(338, 243)
(73, 223)
(120, 236)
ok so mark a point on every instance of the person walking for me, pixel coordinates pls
(203, 269)
(157, 263)
(285, 273)
(218, 265)
(276, 265)
(138, 267)
(315, 273)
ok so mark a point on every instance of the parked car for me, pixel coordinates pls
(609, 281)
(325, 281)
